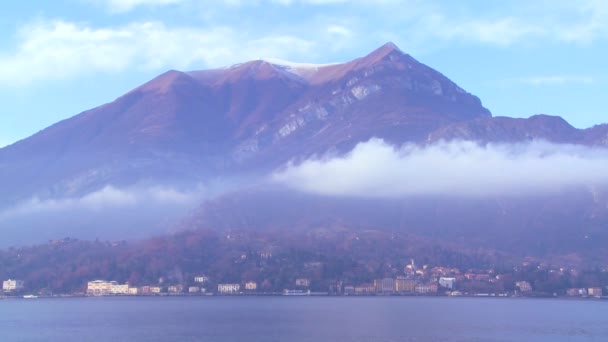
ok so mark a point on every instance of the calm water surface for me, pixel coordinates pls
(252, 319)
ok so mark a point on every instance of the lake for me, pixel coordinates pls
(303, 319)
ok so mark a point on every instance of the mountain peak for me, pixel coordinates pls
(388, 52)
(166, 81)
(385, 50)
(390, 46)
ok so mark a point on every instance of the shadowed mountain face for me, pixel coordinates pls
(553, 225)
(246, 121)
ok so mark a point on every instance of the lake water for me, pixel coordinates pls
(335, 319)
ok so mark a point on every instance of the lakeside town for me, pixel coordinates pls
(414, 281)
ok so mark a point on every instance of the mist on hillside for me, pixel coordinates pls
(110, 213)
(455, 169)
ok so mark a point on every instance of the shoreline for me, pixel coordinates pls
(281, 295)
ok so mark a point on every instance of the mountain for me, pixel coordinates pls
(244, 122)
(187, 126)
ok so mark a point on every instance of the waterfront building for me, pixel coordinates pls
(133, 291)
(303, 282)
(404, 285)
(523, 286)
(194, 289)
(201, 279)
(12, 285)
(576, 292)
(385, 285)
(175, 289)
(155, 289)
(251, 286)
(595, 291)
(349, 290)
(426, 288)
(119, 289)
(99, 287)
(228, 288)
(365, 289)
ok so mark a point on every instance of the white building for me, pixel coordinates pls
(12, 285)
(201, 279)
(251, 286)
(523, 286)
(175, 289)
(105, 288)
(119, 289)
(446, 282)
(228, 288)
(99, 287)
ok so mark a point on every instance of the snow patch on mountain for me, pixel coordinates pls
(301, 69)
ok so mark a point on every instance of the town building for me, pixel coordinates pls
(251, 286)
(365, 289)
(12, 285)
(133, 291)
(426, 288)
(201, 279)
(266, 255)
(155, 289)
(447, 282)
(194, 289)
(119, 289)
(349, 290)
(228, 288)
(303, 282)
(99, 287)
(175, 289)
(385, 285)
(576, 292)
(404, 285)
(595, 291)
(388, 285)
(523, 286)
(336, 287)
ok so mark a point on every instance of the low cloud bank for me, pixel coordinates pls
(106, 198)
(109, 213)
(460, 168)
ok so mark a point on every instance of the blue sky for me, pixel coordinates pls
(520, 57)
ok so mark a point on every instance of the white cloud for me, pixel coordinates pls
(594, 23)
(52, 50)
(106, 198)
(339, 30)
(500, 31)
(376, 169)
(557, 80)
(59, 49)
(121, 6)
